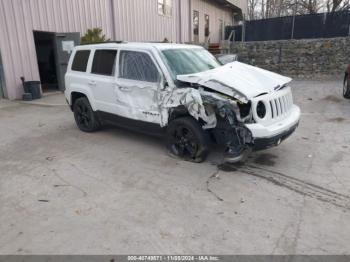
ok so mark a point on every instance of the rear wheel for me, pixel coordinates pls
(85, 117)
(346, 88)
(187, 140)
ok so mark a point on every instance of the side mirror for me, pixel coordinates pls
(226, 58)
(163, 82)
(165, 85)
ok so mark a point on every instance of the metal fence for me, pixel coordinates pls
(323, 25)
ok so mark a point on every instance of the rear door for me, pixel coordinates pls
(137, 86)
(64, 44)
(102, 79)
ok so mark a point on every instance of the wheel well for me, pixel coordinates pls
(178, 112)
(181, 111)
(75, 96)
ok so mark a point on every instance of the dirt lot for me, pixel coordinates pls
(66, 192)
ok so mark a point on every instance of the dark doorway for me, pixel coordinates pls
(45, 52)
(53, 51)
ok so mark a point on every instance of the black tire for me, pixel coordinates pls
(346, 88)
(85, 117)
(187, 140)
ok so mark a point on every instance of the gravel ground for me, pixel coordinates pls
(117, 192)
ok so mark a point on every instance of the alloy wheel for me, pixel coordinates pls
(184, 144)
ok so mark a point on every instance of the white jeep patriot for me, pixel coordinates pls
(182, 92)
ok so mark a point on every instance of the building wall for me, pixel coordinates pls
(131, 16)
(306, 59)
(135, 20)
(18, 19)
(215, 12)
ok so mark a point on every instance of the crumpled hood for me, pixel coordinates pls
(238, 80)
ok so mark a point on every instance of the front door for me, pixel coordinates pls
(64, 44)
(137, 85)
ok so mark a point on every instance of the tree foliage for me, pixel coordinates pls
(93, 35)
(260, 9)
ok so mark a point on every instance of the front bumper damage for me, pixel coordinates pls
(221, 116)
(267, 142)
(230, 130)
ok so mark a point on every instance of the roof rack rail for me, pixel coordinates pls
(108, 42)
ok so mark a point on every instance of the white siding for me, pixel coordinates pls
(215, 13)
(138, 20)
(18, 19)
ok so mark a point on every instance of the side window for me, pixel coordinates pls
(137, 66)
(104, 62)
(80, 61)
(164, 7)
(206, 26)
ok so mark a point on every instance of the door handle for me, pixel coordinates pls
(92, 83)
(124, 88)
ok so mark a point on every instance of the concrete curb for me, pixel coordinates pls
(41, 104)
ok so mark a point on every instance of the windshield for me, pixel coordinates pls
(189, 61)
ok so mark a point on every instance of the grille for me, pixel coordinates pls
(281, 105)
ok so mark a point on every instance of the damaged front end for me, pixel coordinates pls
(230, 130)
(221, 116)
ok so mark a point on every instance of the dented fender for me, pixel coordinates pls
(220, 115)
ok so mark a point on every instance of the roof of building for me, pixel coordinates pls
(231, 4)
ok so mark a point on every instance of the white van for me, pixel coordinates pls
(182, 92)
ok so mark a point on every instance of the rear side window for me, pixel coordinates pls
(80, 61)
(137, 66)
(104, 62)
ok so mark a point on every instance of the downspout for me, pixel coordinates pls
(190, 21)
(113, 20)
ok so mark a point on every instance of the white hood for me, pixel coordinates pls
(238, 80)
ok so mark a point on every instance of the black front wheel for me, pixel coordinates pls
(187, 140)
(346, 88)
(85, 116)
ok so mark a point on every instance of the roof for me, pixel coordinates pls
(137, 45)
(230, 4)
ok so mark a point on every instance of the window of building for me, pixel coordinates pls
(80, 61)
(206, 26)
(165, 7)
(137, 66)
(196, 26)
(104, 62)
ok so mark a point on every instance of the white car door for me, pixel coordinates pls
(102, 79)
(137, 86)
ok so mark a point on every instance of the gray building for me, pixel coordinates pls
(37, 35)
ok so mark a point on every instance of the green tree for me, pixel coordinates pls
(93, 35)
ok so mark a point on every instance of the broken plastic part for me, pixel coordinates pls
(208, 107)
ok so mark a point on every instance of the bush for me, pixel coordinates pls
(93, 35)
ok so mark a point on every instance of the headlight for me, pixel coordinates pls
(261, 110)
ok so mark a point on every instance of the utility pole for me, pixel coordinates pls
(243, 29)
(294, 14)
